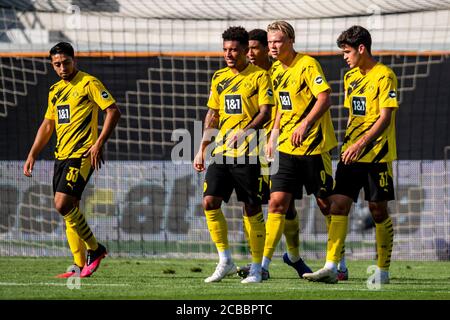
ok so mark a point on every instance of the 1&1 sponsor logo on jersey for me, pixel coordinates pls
(233, 104)
(63, 114)
(359, 106)
(285, 100)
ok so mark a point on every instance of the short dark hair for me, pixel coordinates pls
(236, 34)
(258, 35)
(62, 47)
(354, 36)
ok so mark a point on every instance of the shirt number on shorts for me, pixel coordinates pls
(383, 179)
(72, 175)
(323, 176)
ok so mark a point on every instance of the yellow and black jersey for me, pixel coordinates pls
(295, 90)
(365, 95)
(237, 98)
(268, 126)
(74, 108)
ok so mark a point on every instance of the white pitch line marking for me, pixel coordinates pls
(17, 284)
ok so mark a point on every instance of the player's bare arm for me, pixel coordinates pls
(352, 153)
(96, 150)
(211, 122)
(42, 137)
(257, 123)
(321, 106)
(270, 147)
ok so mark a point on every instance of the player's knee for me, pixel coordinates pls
(379, 211)
(211, 203)
(63, 207)
(339, 208)
(324, 206)
(277, 206)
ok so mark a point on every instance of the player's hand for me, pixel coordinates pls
(270, 147)
(28, 166)
(268, 151)
(199, 161)
(351, 154)
(96, 153)
(236, 139)
(300, 133)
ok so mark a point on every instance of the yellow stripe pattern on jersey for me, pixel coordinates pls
(295, 90)
(237, 98)
(365, 96)
(268, 126)
(74, 108)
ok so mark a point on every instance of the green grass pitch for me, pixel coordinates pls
(182, 279)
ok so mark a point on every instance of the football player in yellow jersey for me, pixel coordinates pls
(72, 110)
(258, 54)
(258, 49)
(240, 103)
(304, 135)
(367, 153)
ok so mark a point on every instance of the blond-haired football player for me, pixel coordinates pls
(306, 136)
(258, 54)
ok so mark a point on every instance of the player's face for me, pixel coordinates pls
(234, 54)
(257, 53)
(63, 65)
(279, 44)
(351, 56)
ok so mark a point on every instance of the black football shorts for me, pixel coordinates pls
(375, 178)
(245, 179)
(72, 175)
(314, 172)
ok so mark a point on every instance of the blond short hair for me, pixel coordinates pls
(284, 27)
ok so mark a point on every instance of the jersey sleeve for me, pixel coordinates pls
(346, 98)
(213, 100)
(265, 92)
(388, 91)
(50, 113)
(315, 79)
(98, 93)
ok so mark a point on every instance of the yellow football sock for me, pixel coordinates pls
(75, 219)
(257, 235)
(274, 230)
(218, 228)
(291, 233)
(336, 237)
(384, 232)
(76, 245)
(328, 223)
(247, 227)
